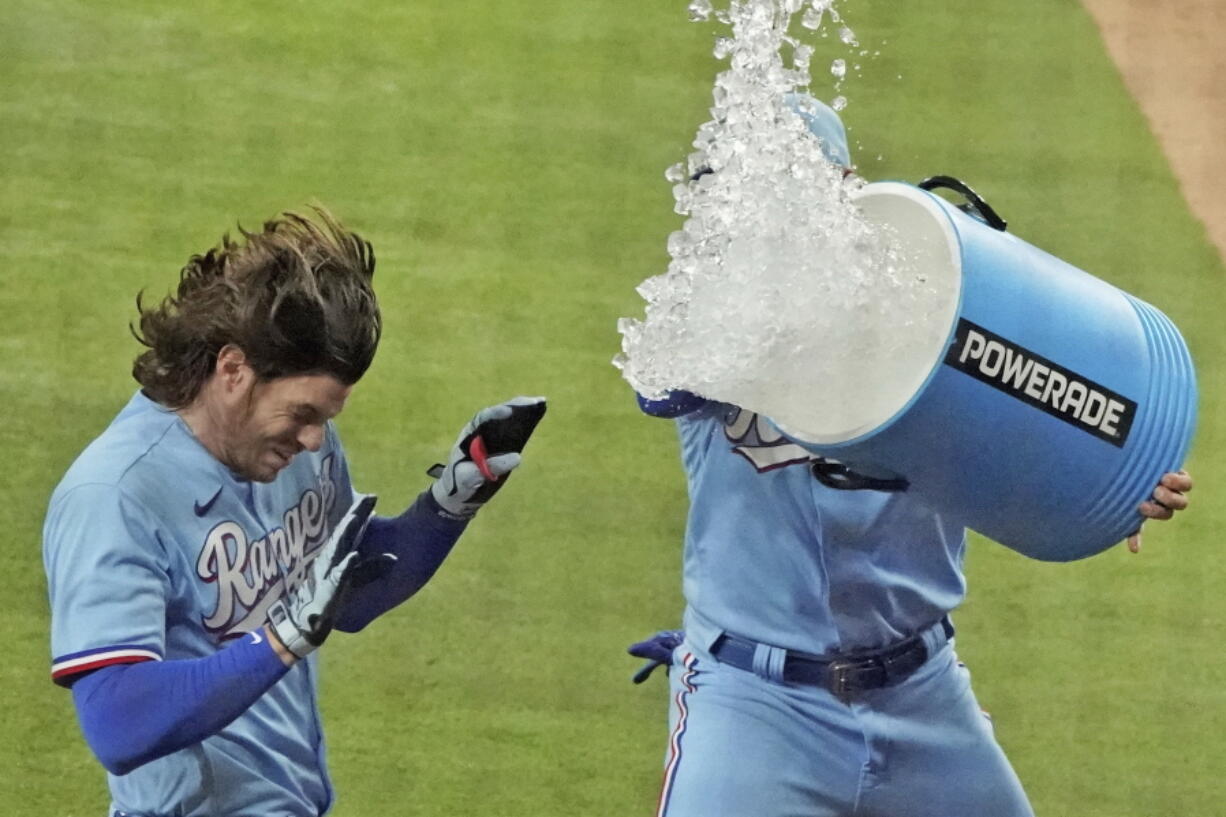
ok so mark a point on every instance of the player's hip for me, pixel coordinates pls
(904, 748)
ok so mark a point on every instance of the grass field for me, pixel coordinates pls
(506, 160)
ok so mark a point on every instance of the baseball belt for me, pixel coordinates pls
(843, 674)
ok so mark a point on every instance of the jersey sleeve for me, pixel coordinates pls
(108, 581)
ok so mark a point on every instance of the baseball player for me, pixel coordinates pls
(816, 676)
(202, 548)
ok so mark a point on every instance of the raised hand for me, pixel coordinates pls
(486, 451)
(305, 616)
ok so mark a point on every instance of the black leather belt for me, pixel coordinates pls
(843, 674)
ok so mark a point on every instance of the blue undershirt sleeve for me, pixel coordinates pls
(134, 713)
(674, 404)
(421, 538)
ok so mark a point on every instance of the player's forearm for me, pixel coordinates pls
(134, 713)
(421, 538)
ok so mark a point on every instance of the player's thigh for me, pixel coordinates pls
(741, 746)
(943, 759)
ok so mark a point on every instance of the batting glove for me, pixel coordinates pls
(658, 650)
(486, 451)
(304, 618)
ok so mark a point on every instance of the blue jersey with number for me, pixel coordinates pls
(154, 551)
(776, 556)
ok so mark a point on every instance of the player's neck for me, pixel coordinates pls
(210, 424)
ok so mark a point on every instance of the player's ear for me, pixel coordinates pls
(231, 369)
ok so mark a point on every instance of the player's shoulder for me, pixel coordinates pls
(332, 438)
(328, 463)
(706, 417)
(127, 452)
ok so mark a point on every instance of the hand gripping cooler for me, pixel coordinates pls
(1046, 403)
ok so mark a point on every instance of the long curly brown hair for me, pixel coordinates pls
(296, 298)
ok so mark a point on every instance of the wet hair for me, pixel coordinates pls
(296, 298)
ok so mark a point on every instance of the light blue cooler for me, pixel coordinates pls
(1046, 404)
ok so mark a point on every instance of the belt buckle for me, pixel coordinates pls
(838, 680)
(846, 676)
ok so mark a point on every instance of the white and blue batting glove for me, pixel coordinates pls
(487, 450)
(307, 613)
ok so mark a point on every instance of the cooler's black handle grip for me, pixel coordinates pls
(973, 200)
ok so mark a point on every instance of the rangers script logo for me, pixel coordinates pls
(251, 575)
(757, 440)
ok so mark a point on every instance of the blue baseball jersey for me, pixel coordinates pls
(154, 551)
(774, 555)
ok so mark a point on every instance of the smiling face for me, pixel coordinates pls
(282, 418)
(255, 426)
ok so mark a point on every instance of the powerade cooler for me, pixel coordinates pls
(1052, 408)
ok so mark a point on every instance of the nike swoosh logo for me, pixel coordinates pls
(256, 638)
(203, 508)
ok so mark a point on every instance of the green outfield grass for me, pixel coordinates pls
(506, 160)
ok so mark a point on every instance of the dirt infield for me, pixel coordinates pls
(1167, 52)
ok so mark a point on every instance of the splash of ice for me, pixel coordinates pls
(700, 10)
(778, 293)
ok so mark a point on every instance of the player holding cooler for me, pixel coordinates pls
(203, 547)
(816, 675)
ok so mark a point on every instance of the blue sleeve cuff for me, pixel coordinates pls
(437, 517)
(676, 404)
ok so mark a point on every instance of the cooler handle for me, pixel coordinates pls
(973, 200)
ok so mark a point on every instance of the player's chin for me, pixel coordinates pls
(268, 467)
(259, 473)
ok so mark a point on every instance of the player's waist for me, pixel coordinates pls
(845, 674)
